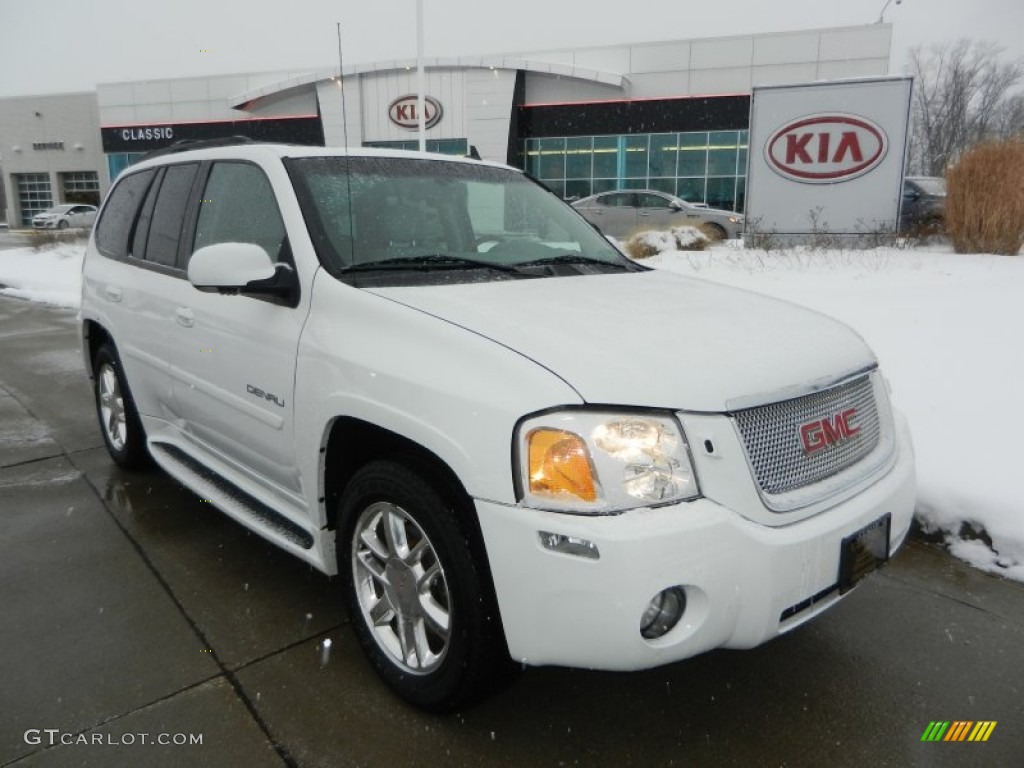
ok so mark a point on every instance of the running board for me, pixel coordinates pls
(228, 496)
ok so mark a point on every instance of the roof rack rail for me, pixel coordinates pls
(184, 145)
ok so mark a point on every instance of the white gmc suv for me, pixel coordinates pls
(435, 379)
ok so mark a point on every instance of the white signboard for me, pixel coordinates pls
(828, 156)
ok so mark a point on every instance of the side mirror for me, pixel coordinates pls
(229, 265)
(675, 205)
(239, 268)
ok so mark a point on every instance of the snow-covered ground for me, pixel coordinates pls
(51, 275)
(948, 331)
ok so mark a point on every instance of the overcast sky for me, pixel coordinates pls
(70, 45)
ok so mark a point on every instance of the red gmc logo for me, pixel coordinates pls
(816, 435)
(404, 112)
(825, 149)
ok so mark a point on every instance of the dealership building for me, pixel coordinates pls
(671, 116)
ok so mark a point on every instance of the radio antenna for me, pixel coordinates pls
(341, 80)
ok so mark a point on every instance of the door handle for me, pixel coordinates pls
(185, 317)
(644, 214)
(114, 293)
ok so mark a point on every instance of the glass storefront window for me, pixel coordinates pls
(699, 166)
(577, 188)
(721, 192)
(579, 155)
(552, 159)
(721, 162)
(636, 156)
(606, 157)
(691, 190)
(663, 155)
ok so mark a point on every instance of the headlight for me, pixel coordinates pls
(602, 462)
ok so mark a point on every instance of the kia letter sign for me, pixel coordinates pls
(827, 157)
(825, 149)
(404, 112)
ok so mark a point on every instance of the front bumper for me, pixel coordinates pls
(46, 224)
(745, 583)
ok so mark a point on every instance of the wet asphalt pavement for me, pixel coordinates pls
(129, 610)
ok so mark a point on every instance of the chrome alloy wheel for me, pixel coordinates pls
(112, 413)
(401, 588)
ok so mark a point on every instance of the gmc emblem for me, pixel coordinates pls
(816, 435)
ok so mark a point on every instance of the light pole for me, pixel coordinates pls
(421, 85)
(881, 16)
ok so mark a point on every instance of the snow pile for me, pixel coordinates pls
(50, 275)
(645, 244)
(948, 330)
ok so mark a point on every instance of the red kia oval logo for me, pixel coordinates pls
(404, 111)
(827, 148)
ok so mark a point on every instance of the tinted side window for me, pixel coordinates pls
(652, 201)
(171, 202)
(115, 225)
(619, 200)
(238, 206)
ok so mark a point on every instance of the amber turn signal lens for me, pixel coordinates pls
(560, 465)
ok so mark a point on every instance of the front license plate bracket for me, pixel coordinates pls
(864, 552)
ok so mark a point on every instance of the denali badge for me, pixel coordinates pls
(265, 395)
(822, 433)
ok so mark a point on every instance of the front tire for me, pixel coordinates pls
(62, 225)
(415, 592)
(119, 420)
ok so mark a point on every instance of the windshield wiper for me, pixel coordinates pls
(428, 262)
(572, 258)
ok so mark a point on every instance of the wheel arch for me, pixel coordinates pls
(350, 443)
(94, 336)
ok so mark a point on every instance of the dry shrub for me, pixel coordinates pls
(643, 245)
(43, 239)
(985, 201)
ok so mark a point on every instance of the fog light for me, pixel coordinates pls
(663, 613)
(569, 545)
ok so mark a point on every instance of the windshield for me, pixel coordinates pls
(392, 220)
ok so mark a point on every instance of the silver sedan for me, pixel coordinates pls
(625, 212)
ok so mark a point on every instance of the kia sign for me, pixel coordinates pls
(404, 112)
(827, 157)
(826, 149)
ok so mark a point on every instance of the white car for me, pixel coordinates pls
(431, 377)
(65, 216)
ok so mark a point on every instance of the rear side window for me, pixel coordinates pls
(115, 226)
(238, 206)
(165, 226)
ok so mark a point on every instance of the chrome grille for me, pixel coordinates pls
(771, 435)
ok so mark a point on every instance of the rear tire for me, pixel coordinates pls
(415, 591)
(119, 420)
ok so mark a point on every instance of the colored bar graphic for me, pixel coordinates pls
(958, 730)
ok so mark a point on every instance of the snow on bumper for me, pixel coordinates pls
(740, 577)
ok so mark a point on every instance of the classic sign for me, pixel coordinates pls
(826, 149)
(404, 111)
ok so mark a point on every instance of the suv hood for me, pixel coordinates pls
(654, 338)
